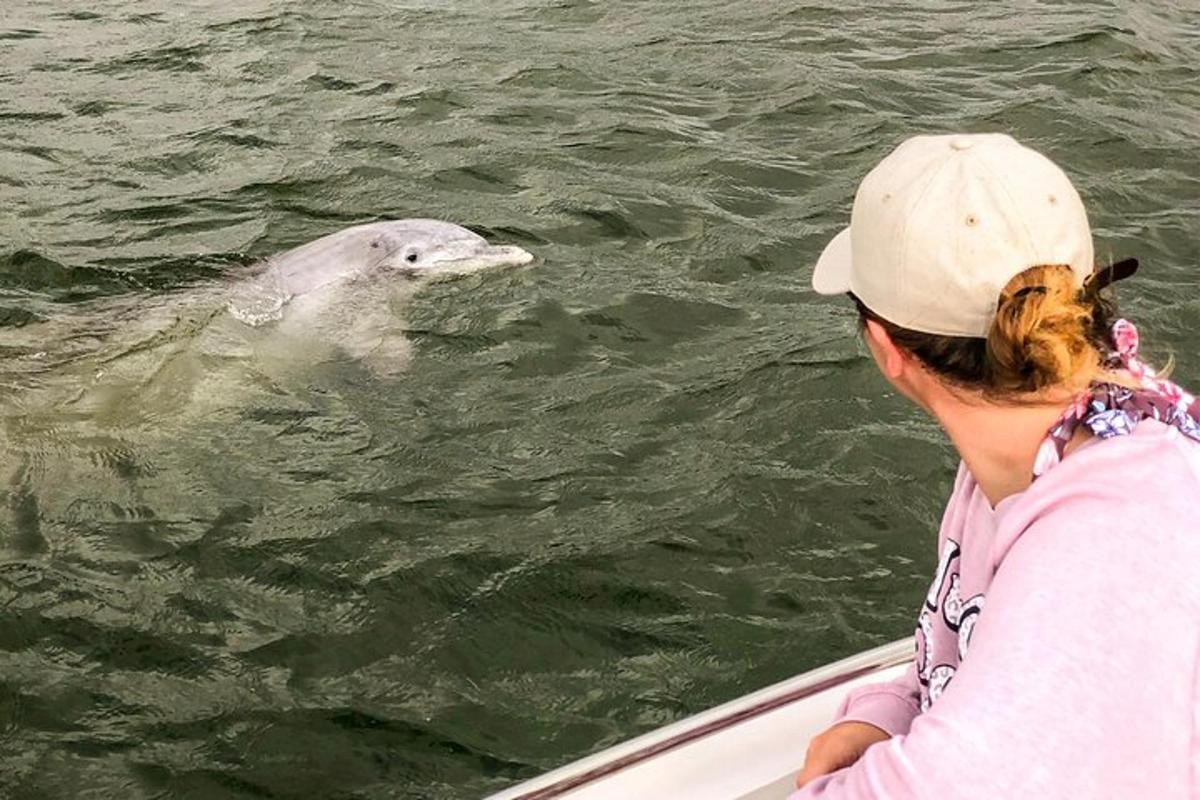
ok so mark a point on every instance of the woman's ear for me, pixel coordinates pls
(890, 358)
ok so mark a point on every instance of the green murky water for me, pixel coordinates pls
(646, 475)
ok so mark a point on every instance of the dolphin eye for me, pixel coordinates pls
(411, 257)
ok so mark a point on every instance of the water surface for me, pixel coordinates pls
(644, 476)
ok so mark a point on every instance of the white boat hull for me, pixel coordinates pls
(747, 749)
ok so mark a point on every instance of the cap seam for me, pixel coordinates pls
(1012, 204)
(904, 233)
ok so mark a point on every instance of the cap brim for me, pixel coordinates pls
(832, 273)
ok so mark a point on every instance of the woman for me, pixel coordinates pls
(1057, 647)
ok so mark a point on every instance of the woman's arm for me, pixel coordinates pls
(1077, 683)
(890, 706)
(869, 714)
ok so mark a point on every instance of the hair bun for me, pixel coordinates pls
(1042, 334)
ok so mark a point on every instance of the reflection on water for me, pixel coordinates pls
(649, 475)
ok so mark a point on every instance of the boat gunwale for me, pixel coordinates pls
(725, 716)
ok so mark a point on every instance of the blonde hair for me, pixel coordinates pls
(1048, 336)
(1043, 335)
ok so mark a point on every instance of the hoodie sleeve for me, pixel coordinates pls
(890, 706)
(1077, 680)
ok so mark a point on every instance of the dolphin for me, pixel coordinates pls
(98, 388)
(337, 294)
(337, 287)
(410, 249)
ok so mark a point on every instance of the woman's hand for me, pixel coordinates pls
(836, 747)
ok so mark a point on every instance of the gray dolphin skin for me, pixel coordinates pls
(408, 249)
(338, 298)
(412, 248)
(342, 287)
(143, 371)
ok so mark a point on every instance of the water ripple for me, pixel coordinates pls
(648, 475)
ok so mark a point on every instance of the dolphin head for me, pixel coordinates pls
(426, 248)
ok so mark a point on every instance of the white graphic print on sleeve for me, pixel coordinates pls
(943, 638)
(950, 551)
(952, 606)
(938, 681)
(924, 637)
(966, 625)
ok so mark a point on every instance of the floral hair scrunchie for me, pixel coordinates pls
(1109, 409)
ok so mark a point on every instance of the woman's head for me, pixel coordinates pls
(1046, 336)
(972, 253)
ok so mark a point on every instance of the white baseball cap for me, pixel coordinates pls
(942, 224)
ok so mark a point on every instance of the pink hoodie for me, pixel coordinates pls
(1082, 676)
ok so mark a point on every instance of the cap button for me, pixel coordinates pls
(961, 143)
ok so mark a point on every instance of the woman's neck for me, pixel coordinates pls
(998, 442)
